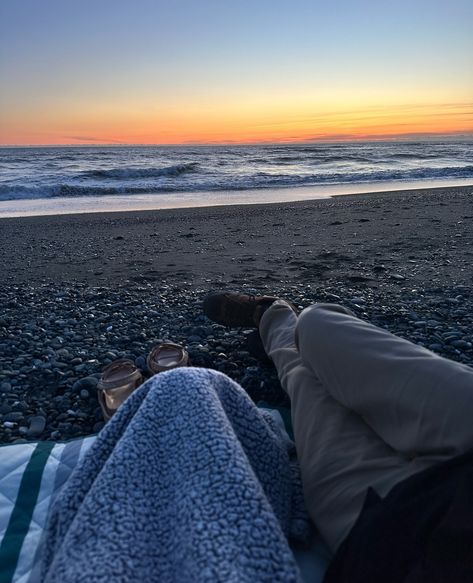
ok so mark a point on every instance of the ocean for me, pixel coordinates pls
(35, 177)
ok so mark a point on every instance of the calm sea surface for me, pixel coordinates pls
(33, 174)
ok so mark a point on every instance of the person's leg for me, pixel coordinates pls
(335, 369)
(417, 402)
(339, 454)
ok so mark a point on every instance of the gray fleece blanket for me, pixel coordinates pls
(189, 482)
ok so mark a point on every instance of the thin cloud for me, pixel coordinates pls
(398, 136)
(93, 139)
(372, 113)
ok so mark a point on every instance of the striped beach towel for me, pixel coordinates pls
(31, 475)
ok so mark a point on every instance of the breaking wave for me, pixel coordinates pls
(70, 190)
(133, 173)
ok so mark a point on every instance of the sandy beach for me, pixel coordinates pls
(78, 291)
(375, 240)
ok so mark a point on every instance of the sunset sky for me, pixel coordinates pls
(185, 71)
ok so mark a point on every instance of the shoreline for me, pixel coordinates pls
(207, 199)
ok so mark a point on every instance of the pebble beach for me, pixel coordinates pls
(79, 291)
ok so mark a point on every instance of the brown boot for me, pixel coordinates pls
(237, 310)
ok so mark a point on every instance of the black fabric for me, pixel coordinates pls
(421, 532)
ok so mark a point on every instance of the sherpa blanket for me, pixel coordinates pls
(189, 482)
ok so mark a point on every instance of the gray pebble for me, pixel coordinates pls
(37, 425)
(87, 383)
(63, 354)
(461, 344)
(5, 387)
(436, 347)
(140, 362)
(5, 408)
(14, 416)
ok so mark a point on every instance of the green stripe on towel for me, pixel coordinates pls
(20, 518)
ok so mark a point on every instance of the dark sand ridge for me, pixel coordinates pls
(375, 240)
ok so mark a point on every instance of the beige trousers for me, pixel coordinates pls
(369, 409)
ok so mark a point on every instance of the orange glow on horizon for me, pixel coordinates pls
(234, 123)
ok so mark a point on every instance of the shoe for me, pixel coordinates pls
(239, 310)
(167, 356)
(119, 379)
(255, 347)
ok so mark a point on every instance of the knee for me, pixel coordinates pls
(318, 320)
(320, 313)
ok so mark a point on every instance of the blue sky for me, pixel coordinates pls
(63, 63)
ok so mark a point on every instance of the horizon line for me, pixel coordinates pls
(408, 137)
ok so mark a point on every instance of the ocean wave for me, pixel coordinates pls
(133, 173)
(346, 158)
(315, 158)
(68, 190)
(289, 159)
(412, 156)
(356, 176)
(253, 180)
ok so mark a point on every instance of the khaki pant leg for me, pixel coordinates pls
(417, 402)
(340, 456)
